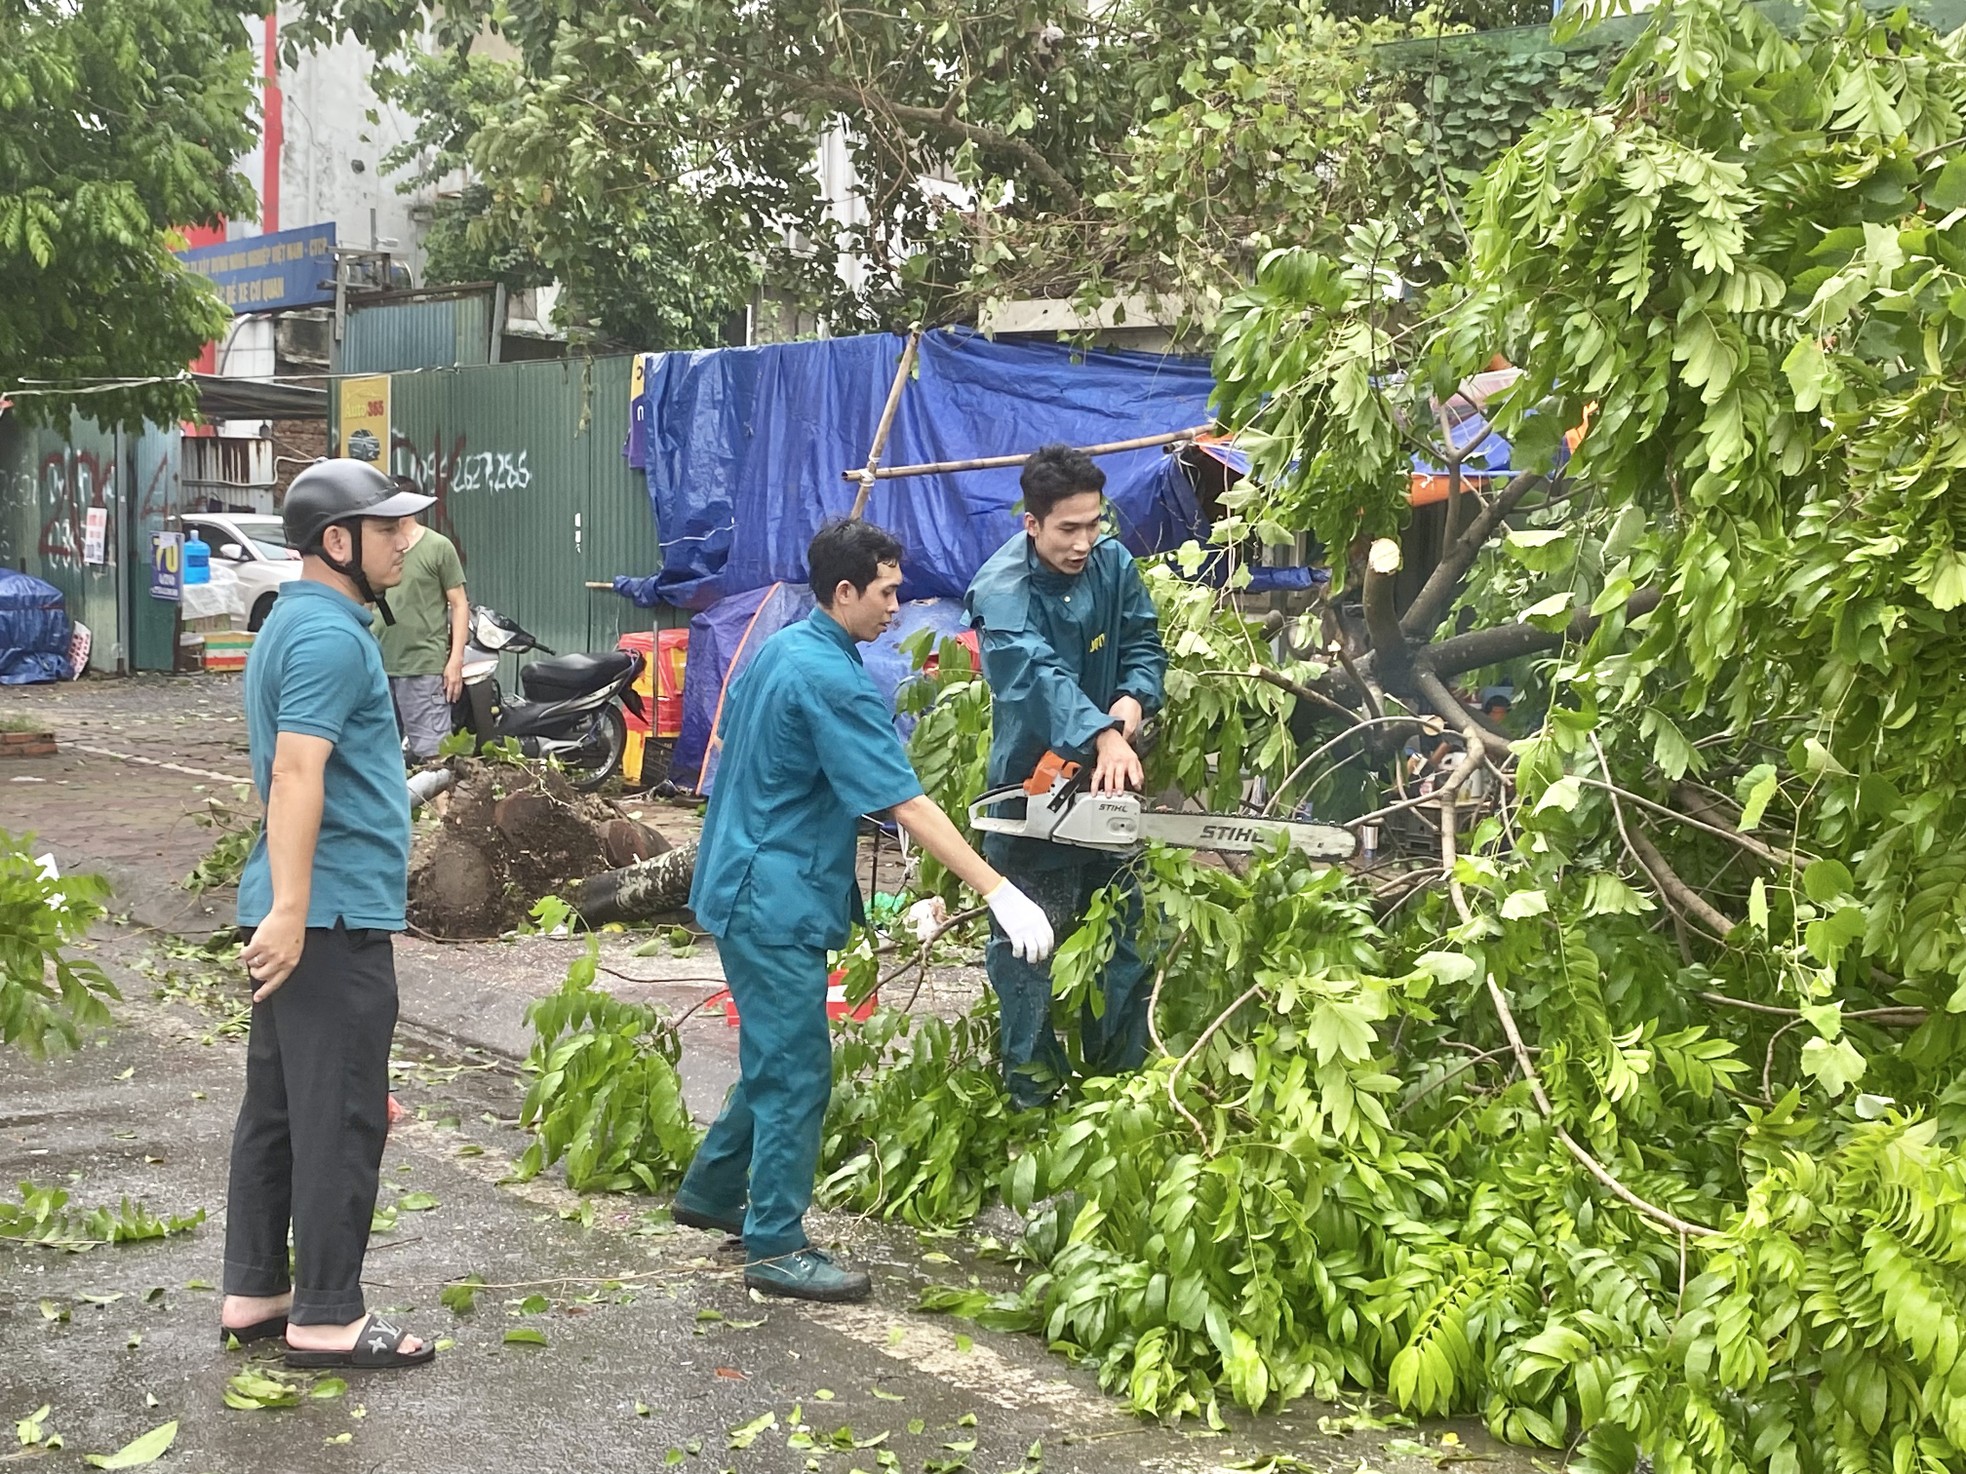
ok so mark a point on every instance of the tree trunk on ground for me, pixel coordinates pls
(504, 837)
(638, 892)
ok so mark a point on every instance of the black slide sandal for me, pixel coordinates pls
(259, 1330)
(377, 1348)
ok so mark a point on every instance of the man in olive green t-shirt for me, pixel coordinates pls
(423, 651)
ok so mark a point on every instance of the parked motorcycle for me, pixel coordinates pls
(571, 710)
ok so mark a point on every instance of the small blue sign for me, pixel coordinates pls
(262, 273)
(167, 566)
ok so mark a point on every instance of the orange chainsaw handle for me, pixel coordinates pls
(1051, 767)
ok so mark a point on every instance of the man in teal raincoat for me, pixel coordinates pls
(810, 747)
(1072, 653)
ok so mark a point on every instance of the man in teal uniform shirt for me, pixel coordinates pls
(811, 747)
(322, 894)
(1072, 653)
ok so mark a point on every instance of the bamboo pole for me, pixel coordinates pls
(866, 475)
(987, 463)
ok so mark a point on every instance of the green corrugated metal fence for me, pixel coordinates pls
(50, 478)
(439, 332)
(525, 461)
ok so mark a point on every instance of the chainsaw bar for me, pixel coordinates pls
(1234, 835)
(1117, 823)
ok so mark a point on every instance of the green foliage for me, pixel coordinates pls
(207, 977)
(1761, 336)
(606, 1096)
(919, 1127)
(138, 1452)
(45, 994)
(42, 1217)
(659, 162)
(225, 862)
(1287, 137)
(258, 1389)
(123, 122)
(641, 261)
(950, 745)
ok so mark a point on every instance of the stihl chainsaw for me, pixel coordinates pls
(1058, 808)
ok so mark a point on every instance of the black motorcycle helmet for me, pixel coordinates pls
(345, 492)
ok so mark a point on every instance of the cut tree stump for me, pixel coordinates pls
(643, 891)
(504, 837)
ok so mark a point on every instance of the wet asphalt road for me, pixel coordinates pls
(654, 1350)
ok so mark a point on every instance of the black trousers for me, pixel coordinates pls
(307, 1151)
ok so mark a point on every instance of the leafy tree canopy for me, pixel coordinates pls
(660, 160)
(120, 121)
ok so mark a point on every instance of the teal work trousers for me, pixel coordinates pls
(1113, 1042)
(767, 1139)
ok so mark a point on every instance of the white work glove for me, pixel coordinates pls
(1023, 922)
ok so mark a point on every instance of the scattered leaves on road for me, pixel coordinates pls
(33, 1429)
(462, 1298)
(252, 1391)
(138, 1452)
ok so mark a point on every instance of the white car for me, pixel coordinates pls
(254, 547)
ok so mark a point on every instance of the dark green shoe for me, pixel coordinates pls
(715, 1220)
(808, 1274)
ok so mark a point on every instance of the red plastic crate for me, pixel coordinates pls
(836, 1004)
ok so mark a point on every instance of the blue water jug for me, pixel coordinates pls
(197, 559)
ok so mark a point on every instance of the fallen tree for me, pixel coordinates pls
(1622, 1106)
(506, 835)
(643, 891)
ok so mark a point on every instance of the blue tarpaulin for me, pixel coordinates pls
(724, 637)
(34, 630)
(1485, 455)
(743, 449)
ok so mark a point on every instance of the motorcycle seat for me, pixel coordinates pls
(564, 677)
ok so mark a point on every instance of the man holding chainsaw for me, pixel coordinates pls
(1072, 653)
(810, 747)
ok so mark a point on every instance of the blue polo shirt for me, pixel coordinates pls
(315, 669)
(810, 747)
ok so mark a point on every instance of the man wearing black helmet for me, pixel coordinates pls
(322, 893)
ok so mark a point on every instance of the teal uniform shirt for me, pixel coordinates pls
(811, 747)
(1058, 651)
(315, 669)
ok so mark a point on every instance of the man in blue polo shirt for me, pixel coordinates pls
(322, 894)
(811, 747)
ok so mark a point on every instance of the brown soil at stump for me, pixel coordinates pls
(505, 836)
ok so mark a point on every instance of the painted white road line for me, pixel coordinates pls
(981, 1371)
(151, 762)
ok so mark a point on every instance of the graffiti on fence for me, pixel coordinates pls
(494, 471)
(458, 471)
(160, 496)
(461, 469)
(68, 484)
